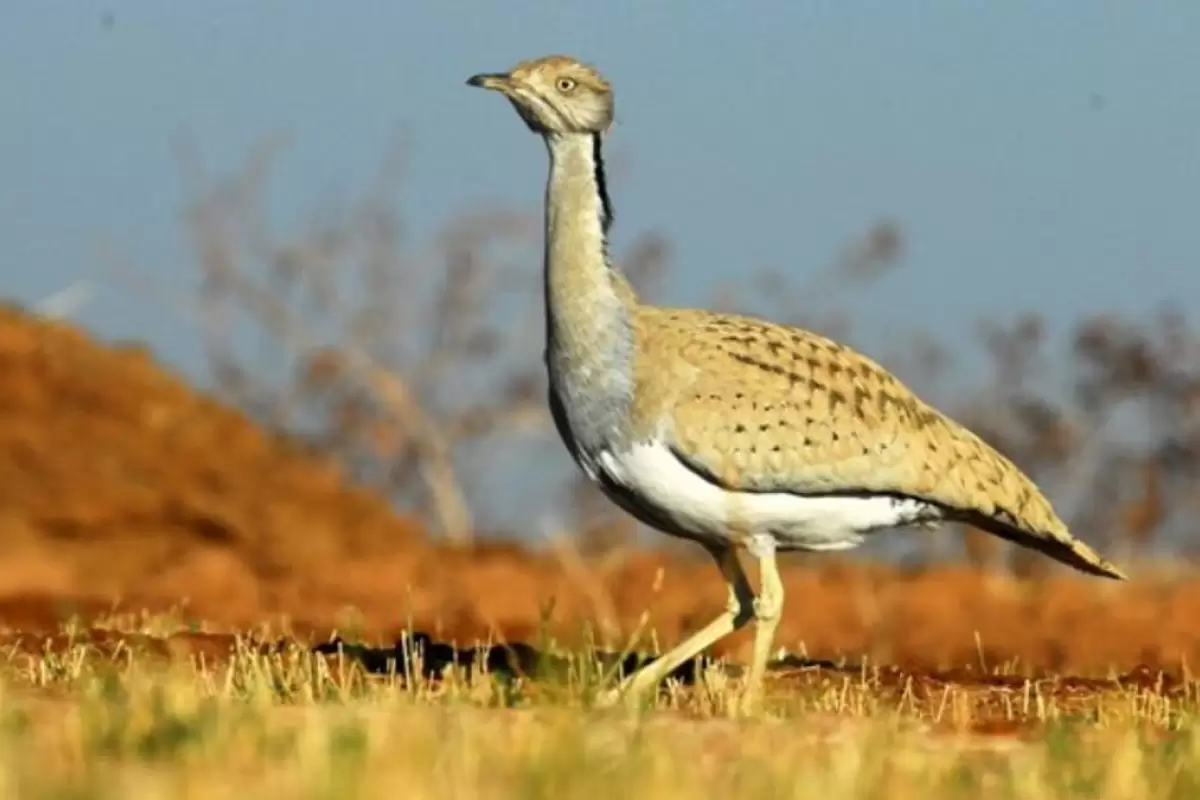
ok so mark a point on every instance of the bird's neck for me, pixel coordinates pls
(589, 305)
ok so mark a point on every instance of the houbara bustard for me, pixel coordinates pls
(730, 430)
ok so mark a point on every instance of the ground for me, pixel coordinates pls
(169, 607)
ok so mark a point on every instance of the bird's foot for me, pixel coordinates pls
(627, 693)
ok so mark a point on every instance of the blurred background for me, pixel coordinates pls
(274, 334)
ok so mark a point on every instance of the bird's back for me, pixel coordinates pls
(757, 407)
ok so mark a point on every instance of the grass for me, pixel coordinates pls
(82, 721)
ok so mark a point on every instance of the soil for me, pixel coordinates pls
(121, 487)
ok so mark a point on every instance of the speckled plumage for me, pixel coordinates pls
(731, 430)
(761, 407)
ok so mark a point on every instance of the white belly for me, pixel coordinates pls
(652, 471)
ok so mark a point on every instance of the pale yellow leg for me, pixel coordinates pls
(768, 607)
(737, 613)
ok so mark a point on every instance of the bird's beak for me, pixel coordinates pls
(490, 80)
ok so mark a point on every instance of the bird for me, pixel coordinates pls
(729, 430)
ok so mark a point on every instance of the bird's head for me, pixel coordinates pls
(554, 95)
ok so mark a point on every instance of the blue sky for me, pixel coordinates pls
(1038, 156)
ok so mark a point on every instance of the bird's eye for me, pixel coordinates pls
(565, 85)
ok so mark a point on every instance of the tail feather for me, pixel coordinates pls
(1062, 547)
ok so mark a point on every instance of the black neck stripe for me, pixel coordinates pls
(606, 213)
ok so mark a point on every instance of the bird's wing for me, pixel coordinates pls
(759, 407)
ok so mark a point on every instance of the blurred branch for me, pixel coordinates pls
(339, 336)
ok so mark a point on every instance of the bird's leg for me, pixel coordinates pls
(768, 607)
(738, 610)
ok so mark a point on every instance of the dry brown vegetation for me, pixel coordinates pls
(124, 713)
(318, 490)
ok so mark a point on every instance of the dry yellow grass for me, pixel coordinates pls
(80, 721)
